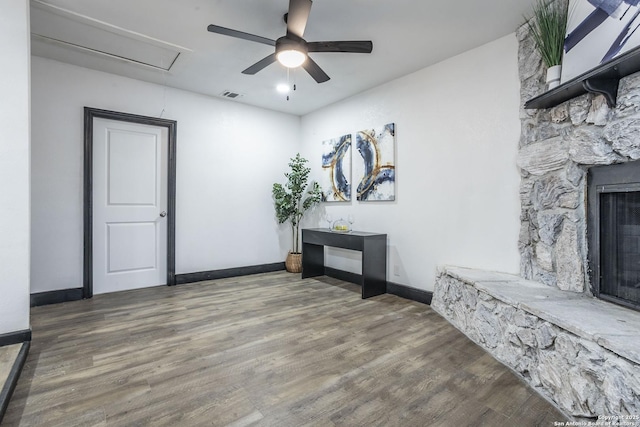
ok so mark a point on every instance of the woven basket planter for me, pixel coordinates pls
(293, 263)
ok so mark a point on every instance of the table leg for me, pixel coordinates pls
(312, 260)
(374, 268)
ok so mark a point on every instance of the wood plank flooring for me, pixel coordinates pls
(261, 350)
(8, 356)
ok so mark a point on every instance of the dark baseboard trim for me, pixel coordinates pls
(402, 291)
(12, 380)
(15, 337)
(56, 297)
(228, 272)
(408, 292)
(343, 275)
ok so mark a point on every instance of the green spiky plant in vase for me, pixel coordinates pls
(291, 201)
(548, 26)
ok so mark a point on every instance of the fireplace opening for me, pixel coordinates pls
(614, 232)
(620, 245)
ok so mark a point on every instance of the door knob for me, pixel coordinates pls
(163, 214)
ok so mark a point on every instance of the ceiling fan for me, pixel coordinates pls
(291, 49)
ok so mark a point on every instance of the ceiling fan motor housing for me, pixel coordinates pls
(291, 42)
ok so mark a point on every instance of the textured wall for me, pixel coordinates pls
(228, 156)
(457, 132)
(14, 166)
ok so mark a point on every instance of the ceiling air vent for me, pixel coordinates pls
(230, 94)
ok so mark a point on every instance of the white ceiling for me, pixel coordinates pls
(407, 35)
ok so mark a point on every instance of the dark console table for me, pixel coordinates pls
(374, 255)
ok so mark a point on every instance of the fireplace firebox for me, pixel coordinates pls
(613, 230)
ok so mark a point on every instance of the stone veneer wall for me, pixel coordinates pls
(557, 146)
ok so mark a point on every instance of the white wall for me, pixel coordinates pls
(457, 132)
(14, 166)
(457, 184)
(228, 157)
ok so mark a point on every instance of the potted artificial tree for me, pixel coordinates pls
(291, 201)
(548, 26)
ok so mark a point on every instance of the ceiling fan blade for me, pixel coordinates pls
(315, 71)
(341, 46)
(240, 35)
(261, 64)
(297, 16)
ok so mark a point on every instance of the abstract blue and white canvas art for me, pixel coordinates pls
(375, 169)
(599, 31)
(336, 169)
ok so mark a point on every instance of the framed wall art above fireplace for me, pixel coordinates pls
(598, 31)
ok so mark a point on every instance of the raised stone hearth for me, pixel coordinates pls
(580, 352)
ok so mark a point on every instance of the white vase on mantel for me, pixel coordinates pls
(553, 76)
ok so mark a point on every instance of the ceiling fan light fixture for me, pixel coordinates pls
(291, 58)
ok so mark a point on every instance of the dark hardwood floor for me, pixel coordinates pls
(263, 350)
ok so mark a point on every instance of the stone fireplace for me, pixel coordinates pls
(558, 148)
(581, 352)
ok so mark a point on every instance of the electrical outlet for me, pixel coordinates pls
(396, 270)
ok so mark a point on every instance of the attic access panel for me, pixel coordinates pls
(55, 25)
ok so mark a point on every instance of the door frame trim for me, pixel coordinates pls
(89, 115)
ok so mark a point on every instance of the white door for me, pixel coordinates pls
(129, 205)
